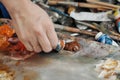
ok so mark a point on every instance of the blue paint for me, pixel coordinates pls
(58, 11)
(4, 12)
(105, 39)
(118, 26)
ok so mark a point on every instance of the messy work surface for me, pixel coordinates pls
(88, 48)
(65, 64)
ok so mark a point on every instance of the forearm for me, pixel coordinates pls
(31, 26)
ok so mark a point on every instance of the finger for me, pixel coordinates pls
(27, 46)
(20, 34)
(35, 44)
(52, 36)
(44, 42)
(36, 47)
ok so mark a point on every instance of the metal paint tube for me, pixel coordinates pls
(104, 38)
(90, 16)
(60, 45)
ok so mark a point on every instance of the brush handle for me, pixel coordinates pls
(103, 3)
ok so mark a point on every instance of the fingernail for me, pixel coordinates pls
(30, 49)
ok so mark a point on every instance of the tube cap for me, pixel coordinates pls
(117, 14)
(98, 35)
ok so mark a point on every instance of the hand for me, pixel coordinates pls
(34, 28)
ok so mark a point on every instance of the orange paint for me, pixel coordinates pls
(6, 30)
(72, 46)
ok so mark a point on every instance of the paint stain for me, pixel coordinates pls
(30, 75)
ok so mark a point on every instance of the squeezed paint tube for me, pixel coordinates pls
(100, 37)
(60, 45)
(88, 16)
